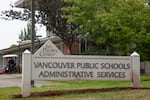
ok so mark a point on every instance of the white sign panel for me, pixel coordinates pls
(81, 67)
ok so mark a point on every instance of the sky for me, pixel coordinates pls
(10, 30)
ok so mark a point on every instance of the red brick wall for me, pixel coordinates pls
(66, 51)
(75, 48)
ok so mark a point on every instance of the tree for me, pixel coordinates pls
(49, 14)
(122, 26)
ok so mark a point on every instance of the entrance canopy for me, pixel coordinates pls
(10, 55)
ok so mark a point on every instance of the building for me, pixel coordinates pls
(20, 48)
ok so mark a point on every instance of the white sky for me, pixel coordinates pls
(10, 30)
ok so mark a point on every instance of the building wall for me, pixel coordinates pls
(62, 47)
(75, 48)
(1, 61)
(65, 50)
(145, 67)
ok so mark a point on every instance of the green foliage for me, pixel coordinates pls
(91, 52)
(123, 25)
(96, 52)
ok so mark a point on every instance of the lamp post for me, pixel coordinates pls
(18, 66)
(33, 31)
(33, 25)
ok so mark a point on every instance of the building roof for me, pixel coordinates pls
(26, 44)
(10, 55)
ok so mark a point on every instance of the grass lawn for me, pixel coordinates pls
(142, 94)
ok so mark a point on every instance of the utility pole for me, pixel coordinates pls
(19, 47)
(33, 30)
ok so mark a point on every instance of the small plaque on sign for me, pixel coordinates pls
(48, 50)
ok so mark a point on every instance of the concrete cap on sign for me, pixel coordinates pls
(135, 54)
(27, 51)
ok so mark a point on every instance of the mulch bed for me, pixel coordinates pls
(79, 91)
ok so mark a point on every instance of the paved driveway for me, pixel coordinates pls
(10, 80)
(14, 80)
